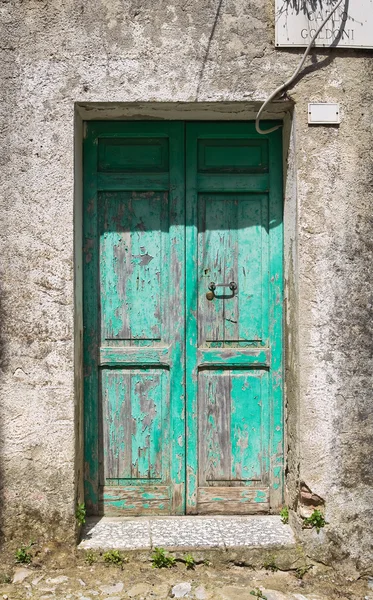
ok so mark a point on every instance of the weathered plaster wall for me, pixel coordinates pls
(56, 53)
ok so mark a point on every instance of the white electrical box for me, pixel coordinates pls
(350, 26)
(323, 113)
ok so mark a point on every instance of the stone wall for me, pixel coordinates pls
(56, 54)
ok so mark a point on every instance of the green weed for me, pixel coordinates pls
(161, 560)
(22, 554)
(258, 593)
(114, 557)
(90, 557)
(316, 520)
(190, 562)
(301, 571)
(80, 513)
(284, 514)
(270, 565)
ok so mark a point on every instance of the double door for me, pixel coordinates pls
(182, 318)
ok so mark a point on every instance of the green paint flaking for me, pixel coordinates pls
(140, 263)
(134, 312)
(236, 227)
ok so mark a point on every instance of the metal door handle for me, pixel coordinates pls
(232, 286)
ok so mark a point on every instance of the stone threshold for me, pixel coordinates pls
(186, 533)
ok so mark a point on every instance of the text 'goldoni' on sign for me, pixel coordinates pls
(351, 26)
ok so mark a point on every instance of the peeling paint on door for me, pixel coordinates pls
(145, 371)
(234, 347)
(134, 315)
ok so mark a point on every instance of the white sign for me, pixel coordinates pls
(323, 113)
(351, 25)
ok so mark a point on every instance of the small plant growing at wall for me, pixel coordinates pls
(161, 560)
(258, 593)
(190, 563)
(270, 564)
(114, 557)
(316, 520)
(22, 554)
(80, 513)
(284, 514)
(301, 571)
(90, 557)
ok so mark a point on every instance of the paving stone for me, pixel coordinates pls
(200, 593)
(140, 589)
(161, 590)
(21, 574)
(57, 580)
(310, 597)
(185, 533)
(230, 592)
(255, 531)
(37, 580)
(122, 534)
(275, 595)
(112, 589)
(181, 590)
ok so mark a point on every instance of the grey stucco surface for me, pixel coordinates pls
(55, 54)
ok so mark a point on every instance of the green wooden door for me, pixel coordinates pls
(234, 347)
(134, 318)
(183, 394)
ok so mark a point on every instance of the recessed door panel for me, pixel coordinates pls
(233, 248)
(232, 422)
(133, 229)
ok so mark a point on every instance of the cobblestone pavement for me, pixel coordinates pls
(115, 561)
(139, 581)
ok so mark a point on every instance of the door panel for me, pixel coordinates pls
(232, 424)
(133, 230)
(233, 247)
(134, 318)
(230, 334)
(135, 421)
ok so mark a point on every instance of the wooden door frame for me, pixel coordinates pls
(204, 111)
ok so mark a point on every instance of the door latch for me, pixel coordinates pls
(212, 287)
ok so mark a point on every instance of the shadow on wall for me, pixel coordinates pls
(310, 6)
